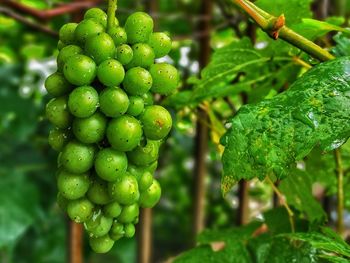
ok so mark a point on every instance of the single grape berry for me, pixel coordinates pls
(114, 102)
(83, 101)
(143, 56)
(66, 33)
(150, 197)
(156, 122)
(124, 133)
(147, 98)
(138, 27)
(96, 14)
(129, 230)
(80, 70)
(56, 85)
(100, 47)
(86, 29)
(72, 186)
(144, 155)
(77, 157)
(129, 213)
(112, 209)
(66, 53)
(124, 54)
(101, 244)
(80, 210)
(98, 192)
(99, 225)
(160, 43)
(145, 181)
(137, 81)
(91, 129)
(110, 164)
(136, 106)
(118, 35)
(57, 112)
(165, 78)
(58, 138)
(117, 231)
(111, 73)
(125, 190)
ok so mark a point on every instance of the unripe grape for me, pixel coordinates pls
(91, 129)
(125, 190)
(129, 230)
(100, 47)
(99, 225)
(144, 155)
(98, 192)
(66, 33)
(113, 102)
(117, 231)
(110, 164)
(124, 54)
(72, 186)
(83, 101)
(78, 157)
(161, 44)
(150, 197)
(112, 209)
(66, 53)
(136, 106)
(96, 14)
(129, 213)
(145, 181)
(138, 27)
(137, 81)
(60, 45)
(101, 244)
(118, 35)
(86, 29)
(56, 85)
(57, 112)
(110, 73)
(124, 133)
(165, 78)
(147, 98)
(58, 138)
(156, 122)
(143, 56)
(80, 210)
(80, 70)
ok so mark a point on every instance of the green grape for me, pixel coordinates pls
(56, 85)
(136, 106)
(86, 29)
(100, 47)
(98, 225)
(58, 138)
(125, 190)
(96, 14)
(57, 112)
(66, 53)
(118, 35)
(143, 56)
(129, 213)
(144, 155)
(145, 181)
(66, 33)
(124, 133)
(98, 192)
(161, 44)
(60, 45)
(110, 73)
(91, 129)
(112, 209)
(101, 244)
(117, 231)
(165, 78)
(80, 70)
(72, 186)
(113, 102)
(110, 164)
(138, 171)
(150, 197)
(138, 27)
(80, 210)
(147, 98)
(83, 101)
(62, 201)
(78, 157)
(129, 230)
(124, 54)
(137, 81)
(156, 122)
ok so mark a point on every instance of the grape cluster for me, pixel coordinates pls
(107, 129)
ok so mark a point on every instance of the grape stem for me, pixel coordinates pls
(112, 8)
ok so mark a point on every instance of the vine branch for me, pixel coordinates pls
(112, 8)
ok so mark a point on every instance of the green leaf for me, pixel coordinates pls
(298, 191)
(342, 47)
(270, 136)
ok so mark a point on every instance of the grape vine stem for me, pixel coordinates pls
(112, 8)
